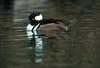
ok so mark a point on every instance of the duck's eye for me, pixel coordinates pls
(32, 18)
(40, 17)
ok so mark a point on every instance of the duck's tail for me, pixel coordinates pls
(70, 24)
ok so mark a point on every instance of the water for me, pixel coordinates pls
(76, 48)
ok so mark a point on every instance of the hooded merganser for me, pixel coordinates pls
(36, 19)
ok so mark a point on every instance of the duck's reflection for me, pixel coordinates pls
(38, 42)
(36, 38)
(38, 47)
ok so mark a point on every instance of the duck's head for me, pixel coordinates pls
(35, 18)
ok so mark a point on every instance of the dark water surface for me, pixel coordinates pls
(79, 47)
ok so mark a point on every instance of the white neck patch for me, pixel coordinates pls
(39, 17)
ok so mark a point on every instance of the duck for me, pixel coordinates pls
(36, 20)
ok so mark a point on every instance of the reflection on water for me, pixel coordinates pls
(35, 39)
(38, 49)
(76, 48)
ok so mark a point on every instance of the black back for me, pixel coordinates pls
(44, 21)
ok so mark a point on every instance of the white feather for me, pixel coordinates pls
(38, 18)
(29, 31)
